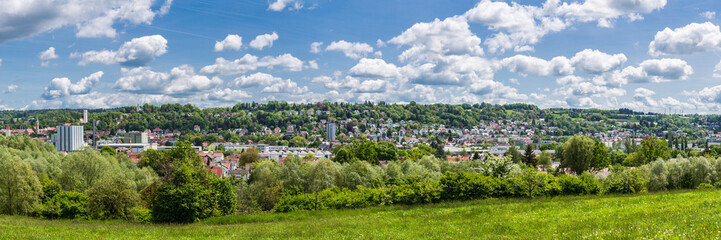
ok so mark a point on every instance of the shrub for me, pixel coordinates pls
(112, 199)
(705, 186)
(66, 204)
(141, 215)
(50, 189)
(417, 190)
(623, 180)
(465, 186)
(295, 202)
(579, 185)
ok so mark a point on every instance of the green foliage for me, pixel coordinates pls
(625, 180)
(20, 190)
(576, 154)
(265, 185)
(109, 151)
(584, 184)
(466, 186)
(112, 198)
(654, 148)
(705, 186)
(50, 189)
(515, 155)
(529, 158)
(544, 159)
(250, 155)
(600, 156)
(66, 204)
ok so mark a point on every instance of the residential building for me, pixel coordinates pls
(68, 138)
(330, 129)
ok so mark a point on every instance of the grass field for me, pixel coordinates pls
(686, 214)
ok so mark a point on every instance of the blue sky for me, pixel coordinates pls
(648, 55)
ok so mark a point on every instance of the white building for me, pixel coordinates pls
(68, 138)
(330, 131)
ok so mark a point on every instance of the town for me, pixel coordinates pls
(323, 132)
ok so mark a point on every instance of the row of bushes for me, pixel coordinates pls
(454, 186)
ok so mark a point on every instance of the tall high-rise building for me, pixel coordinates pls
(68, 138)
(138, 137)
(85, 116)
(330, 131)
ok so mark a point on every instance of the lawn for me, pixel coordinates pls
(680, 214)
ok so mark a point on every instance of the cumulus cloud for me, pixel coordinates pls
(12, 88)
(692, 38)
(604, 12)
(21, 18)
(48, 54)
(517, 25)
(63, 87)
(350, 49)
(575, 87)
(180, 81)
(315, 47)
(279, 5)
(596, 62)
(231, 42)
(136, 52)
(428, 40)
(264, 40)
(255, 80)
(250, 63)
(285, 86)
(717, 71)
(227, 95)
(538, 67)
(374, 68)
(520, 26)
(657, 70)
(708, 15)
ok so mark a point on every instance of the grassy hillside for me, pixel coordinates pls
(685, 214)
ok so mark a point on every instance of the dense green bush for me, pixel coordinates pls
(583, 184)
(112, 198)
(65, 204)
(625, 180)
(417, 190)
(466, 186)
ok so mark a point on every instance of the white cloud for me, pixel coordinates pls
(596, 62)
(1, 62)
(350, 49)
(657, 70)
(692, 38)
(255, 80)
(12, 88)
(708, 15)
(264, 40)
(62, 87)
(250, 63)
(315, 47)
(371, 86)
(312, 64)
(517, 25)
(48, 54)
(231, 42)
(285, 86)
(227, 95)
(21, 18)
(428, 40)
(136, 52)
(538, 67)
(180, 81)
(279, 5)
(717, 71)
(605, 11)
(575, 86)
(377, 68)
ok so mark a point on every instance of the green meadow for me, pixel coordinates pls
(677, 214)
